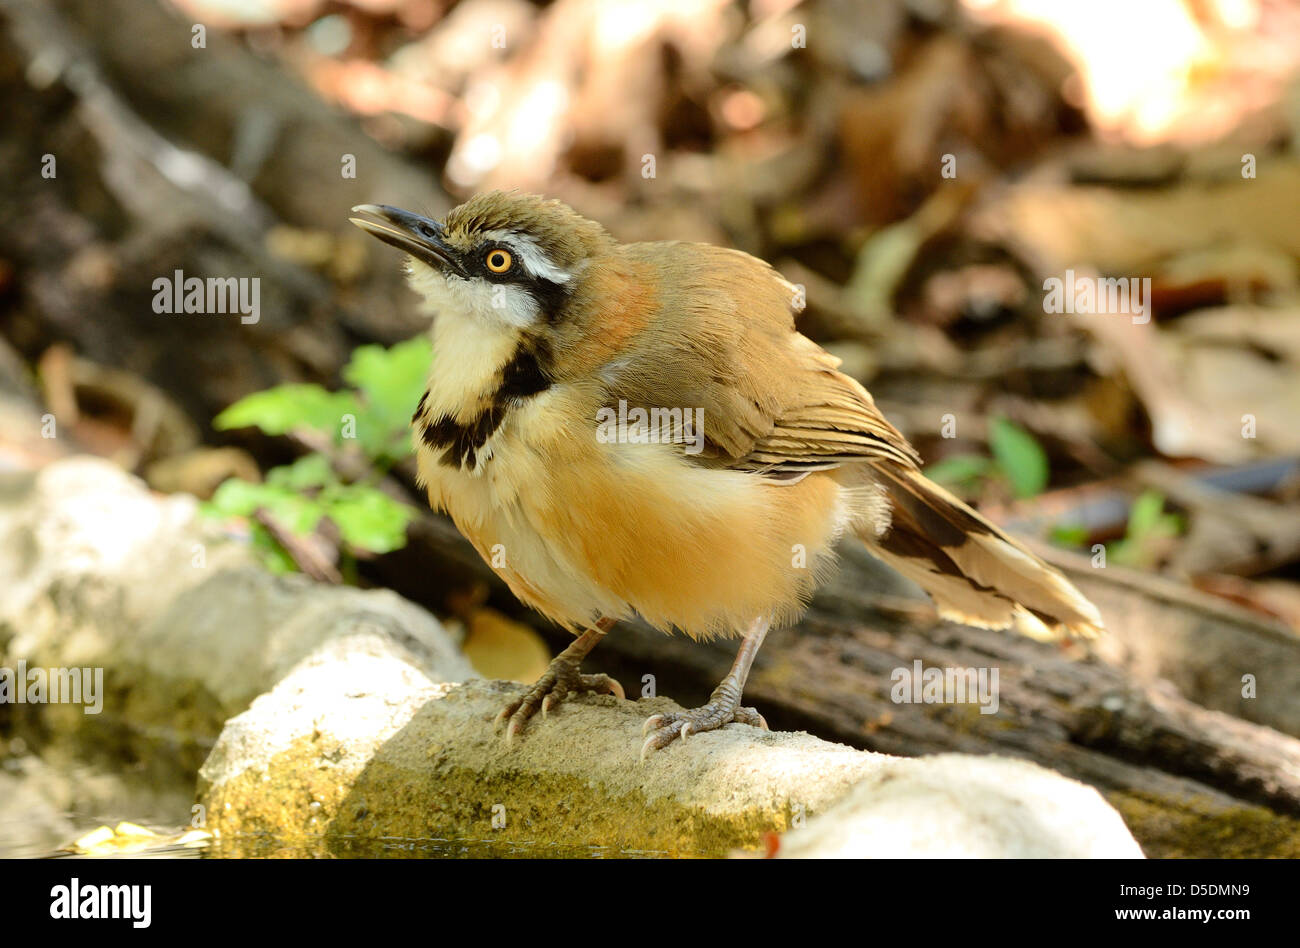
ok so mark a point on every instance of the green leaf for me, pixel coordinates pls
(281, 409)
(236, 498)
(959, 470)
(1148, 529)
(1019, 456)
(389, 383)
(307, 472)
(392, 380)
(273, 556)
(368, 519)
(1069, 534)
(1124, 552)
(375, 434)
(1145, 514)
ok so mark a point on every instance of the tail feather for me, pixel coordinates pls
(975, 573)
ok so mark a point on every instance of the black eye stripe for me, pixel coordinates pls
(549, 295)
(551, 298)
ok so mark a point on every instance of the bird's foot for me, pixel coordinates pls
(723, 708)
(560, 679)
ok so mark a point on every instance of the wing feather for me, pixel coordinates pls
(772, 399)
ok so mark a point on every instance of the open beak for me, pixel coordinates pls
(418, 236)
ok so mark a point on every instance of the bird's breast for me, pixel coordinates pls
(580, 526)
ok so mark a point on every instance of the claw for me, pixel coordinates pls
(663, 729)
(558, 682)
(616, 689)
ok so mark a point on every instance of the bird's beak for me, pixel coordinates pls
(418, 236)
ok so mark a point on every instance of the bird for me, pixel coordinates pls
(639, 429)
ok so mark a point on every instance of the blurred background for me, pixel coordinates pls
(925, 169)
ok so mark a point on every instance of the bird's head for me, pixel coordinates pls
(508, 259)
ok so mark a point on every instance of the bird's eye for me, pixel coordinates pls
(498, 261)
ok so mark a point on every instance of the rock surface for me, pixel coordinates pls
(350, 753)
(30, 824)
(962, 806)
(99, 572)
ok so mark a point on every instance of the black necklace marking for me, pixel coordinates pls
(419, 409)
(524, 376)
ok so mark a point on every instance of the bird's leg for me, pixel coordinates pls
(723, 706)
(560, 678)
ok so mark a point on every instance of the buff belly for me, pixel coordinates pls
(580, 529)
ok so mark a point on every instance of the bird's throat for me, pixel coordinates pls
(479, 375)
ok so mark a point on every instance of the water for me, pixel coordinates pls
(55, 791)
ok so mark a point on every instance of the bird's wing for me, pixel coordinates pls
(771, 399)
(828, 419)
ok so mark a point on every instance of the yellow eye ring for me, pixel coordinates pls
(498, 260)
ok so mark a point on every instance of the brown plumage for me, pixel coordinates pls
(714, 529)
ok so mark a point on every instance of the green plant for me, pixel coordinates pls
(1018, 459)
(1149, 532)
(366, 425)
(1146, 537)
(1069, 534)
